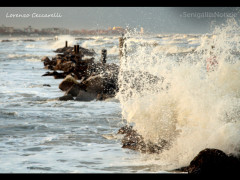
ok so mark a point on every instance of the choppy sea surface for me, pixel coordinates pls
(39, 134)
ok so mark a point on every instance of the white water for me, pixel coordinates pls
(192, 109)
(198, 109)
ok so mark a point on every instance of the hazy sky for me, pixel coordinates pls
(152, 19)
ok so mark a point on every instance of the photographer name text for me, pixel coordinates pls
(34, 15)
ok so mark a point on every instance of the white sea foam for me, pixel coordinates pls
(192, 109)
(19, 55)
(60, 42)
(33, 60)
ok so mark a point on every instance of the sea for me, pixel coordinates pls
(191, 108)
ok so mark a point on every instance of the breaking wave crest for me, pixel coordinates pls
(176, 98)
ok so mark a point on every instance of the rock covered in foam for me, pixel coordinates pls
(133, 140)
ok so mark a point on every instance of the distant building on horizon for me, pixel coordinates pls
(29, 29)
(119, 29)
(4, 29)
(55, 30)
(58, 31)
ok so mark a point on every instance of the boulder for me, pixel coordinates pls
(85, 96)
(73, 90)
(133, 140)
(66, 97)
(46, 61)
(213, 161)
(94, 84)
(67, 83)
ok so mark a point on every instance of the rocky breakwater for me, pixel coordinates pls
(83, 78)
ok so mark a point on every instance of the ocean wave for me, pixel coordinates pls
(8, 113)
(33, 60)
(16, 56)
(192, 108)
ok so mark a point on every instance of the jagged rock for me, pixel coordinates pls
(45, 60)
(66, 66)
(213, 161)
(133, 140)
(55, 74)
(101, 79)
(125, 130)
(66, 97)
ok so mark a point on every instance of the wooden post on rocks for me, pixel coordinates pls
(104, 56)
(76, 49)
(121, 42)
(66, 44)
(122, 47)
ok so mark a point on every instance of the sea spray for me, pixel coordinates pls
(60, 42)
(191, 108)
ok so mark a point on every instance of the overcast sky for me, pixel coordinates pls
(152, 19)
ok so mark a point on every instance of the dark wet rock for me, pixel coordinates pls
(73, 90)
(28, 40)
(6, 40)
(65, 66)
(50, 67)
(64, 49)
(102, 97)
(133, 140)
(213, 161)
(94, 84)
(125, 130)
(87, 52)
(66, 98)
(48, 64)
(46, 61)
(85, 96)
(55, 74)
(83, 51)
(100, 80)
(67, 83)
(48, 85)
